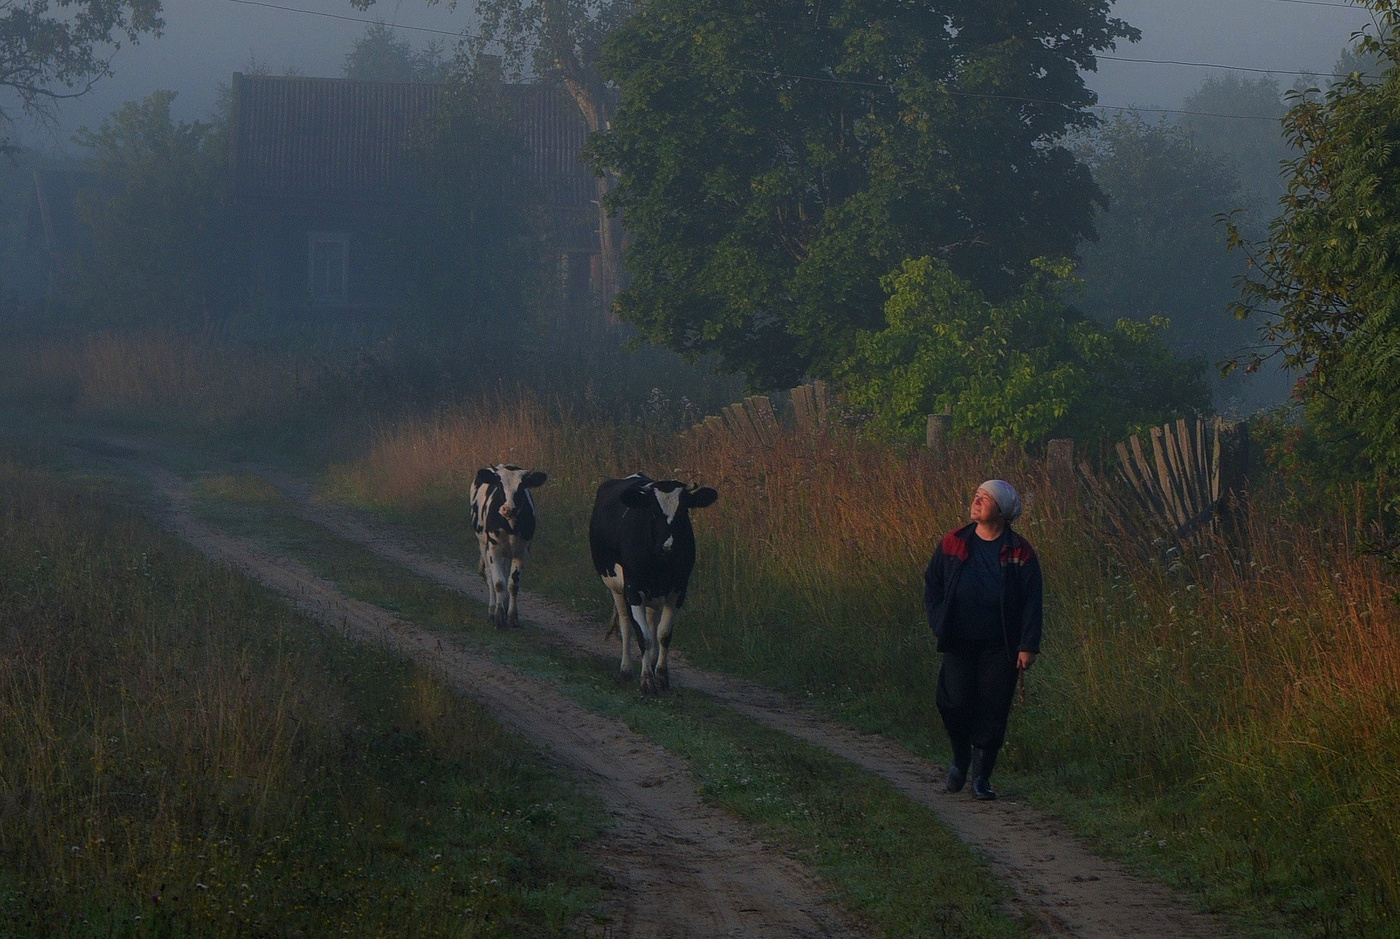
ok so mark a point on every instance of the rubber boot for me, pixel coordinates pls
(983, 762)
(957, 770)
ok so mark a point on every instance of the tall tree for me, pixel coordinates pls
(1325, 280)
(1161, 251)
(776, 158)
(560, 40)
(55, 50)
(380, 55)
(164, 247)
(1241, 119)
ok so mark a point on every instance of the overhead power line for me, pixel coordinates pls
(1233, 68)
(883, 85)
(1324, 3)
(350, 19)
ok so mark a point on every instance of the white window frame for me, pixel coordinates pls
(324, 286)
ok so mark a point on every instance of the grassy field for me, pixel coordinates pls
(181, 755)
(885, 857)
(1231, 732)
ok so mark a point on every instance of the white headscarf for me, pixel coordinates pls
(1007, 499)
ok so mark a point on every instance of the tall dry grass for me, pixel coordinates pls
(1255, 708)
(156, 373)
(181, 755)
(141, 718)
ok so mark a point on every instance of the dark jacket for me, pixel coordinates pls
(1022, 608)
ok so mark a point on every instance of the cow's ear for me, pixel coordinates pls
(484, 476)
(534, 479)
(636, 497)
(700, 498)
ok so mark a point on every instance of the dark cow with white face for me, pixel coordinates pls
(644, 549)
(503, 514)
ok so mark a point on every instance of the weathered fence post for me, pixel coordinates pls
(940, 428)
(1232, 505)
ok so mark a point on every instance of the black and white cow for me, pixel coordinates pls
(503, 515)
(644, 549)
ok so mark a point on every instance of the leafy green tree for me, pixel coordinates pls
(1325, 280)
(776, 159)
(164, 242)
(50, 51)
(382, 56)
(465, 257)
(1019, 370)
(1241, 119)
(1161, 251)
(559, 41)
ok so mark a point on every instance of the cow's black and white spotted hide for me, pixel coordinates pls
(503, 515)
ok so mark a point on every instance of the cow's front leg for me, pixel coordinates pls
(663, 642)
(646, 619)
(498, 570)
(513, 618)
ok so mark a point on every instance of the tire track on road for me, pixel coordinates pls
(1059, 883)
(680, 866)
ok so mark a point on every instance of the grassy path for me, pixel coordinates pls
(1060, 885)
(1061, 888)
(690, 869)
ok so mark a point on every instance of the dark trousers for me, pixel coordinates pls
(975, 688)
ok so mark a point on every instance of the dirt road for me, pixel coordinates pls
(679, 867)
(1064, 888)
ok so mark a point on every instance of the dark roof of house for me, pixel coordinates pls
(334, 138)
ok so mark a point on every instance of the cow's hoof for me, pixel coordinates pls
(663, 679)
(649, 685)
(623, 677)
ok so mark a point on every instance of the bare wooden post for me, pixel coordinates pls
(940, 428)
(1059, 461)
(1233, 507)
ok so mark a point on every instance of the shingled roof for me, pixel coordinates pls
(334, 138)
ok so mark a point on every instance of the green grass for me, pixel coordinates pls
(1165, 832)
(888, 860)
(180, 754)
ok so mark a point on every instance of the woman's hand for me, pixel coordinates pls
(1025, 660)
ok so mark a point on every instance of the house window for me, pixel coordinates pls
(329, 256)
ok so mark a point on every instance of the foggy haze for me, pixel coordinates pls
(205, 41)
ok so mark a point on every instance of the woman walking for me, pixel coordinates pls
(983, 594)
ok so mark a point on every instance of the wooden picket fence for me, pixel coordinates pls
(754, 423)
(1188, 481)
(1184, 482)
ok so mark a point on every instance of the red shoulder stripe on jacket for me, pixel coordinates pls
(955, 547)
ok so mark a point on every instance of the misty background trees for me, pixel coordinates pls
(848, 192)
(49, 52)
(775, 161)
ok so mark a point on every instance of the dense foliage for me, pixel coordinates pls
(469, 253)
(1015, 371)
(1161, 250)
(379, 55)
(1240, 120)
(164, 244)
(776, 160)
(50, 51)
(1325, 278)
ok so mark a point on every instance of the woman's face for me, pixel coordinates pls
(984, 507)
